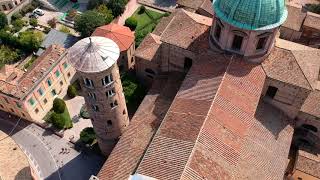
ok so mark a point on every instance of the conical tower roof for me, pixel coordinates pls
(93, 54)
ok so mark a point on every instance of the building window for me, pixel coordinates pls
(1, 106)
(53, 92)
(114, 104)
(18, 105)
(31, 101)
(150, 71)
(16, 3)
(4, 7)
(68, 74)
(6, 99)
(261, 43)
(49, 82)
(45, 101)
(57, 73)
(61, 83)
(132, 60)
(237, 42)
(11, 110)
(23, 115)
(36, 110)
(187, 63)
(10, 6)
(92, 96)
(110, 93)
(310, 127)
(88, 82)
(217, 32)
(109, 123)
(65, 65)
(107, 80)
(40, 91)
(95, 108)
(271, 92)
(124, 111)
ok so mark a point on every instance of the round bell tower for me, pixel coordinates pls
(247, 27)
(95, 59)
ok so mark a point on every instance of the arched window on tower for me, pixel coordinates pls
(310, 127)
(262, 40)
(150, 71)
(218, 30)
(237, 42)
(187, 63)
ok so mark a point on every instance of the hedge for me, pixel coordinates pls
(72, 91)
(59, 105)
(87, 135)
(131, 22)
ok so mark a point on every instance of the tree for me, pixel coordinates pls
(103, 10)
(59, 105)
(131, 22)
(92, 4)
(3, 20)
(16, 16)
(18, 25)
(30, 40)
(71, 14)
(142, 10)
(87, 135)
(72, 91)
(87, 22)
(52, 22)
(33, 22)
(117, 6)
(57, 120)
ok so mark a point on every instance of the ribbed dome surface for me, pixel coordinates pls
(251, 14)
(93, 54)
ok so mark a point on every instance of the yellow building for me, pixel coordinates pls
(30, 94)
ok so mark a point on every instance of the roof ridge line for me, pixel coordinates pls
(202, 126)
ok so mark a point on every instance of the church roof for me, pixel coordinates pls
(121, 35)
(251, 14)
(93, 54)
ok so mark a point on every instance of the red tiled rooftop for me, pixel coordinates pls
(121, 35)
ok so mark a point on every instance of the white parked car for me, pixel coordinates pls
(38, 11)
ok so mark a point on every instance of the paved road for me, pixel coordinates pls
(44, 150)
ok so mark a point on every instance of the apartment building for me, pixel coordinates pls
(30, 94)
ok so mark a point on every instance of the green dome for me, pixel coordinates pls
(251, 14)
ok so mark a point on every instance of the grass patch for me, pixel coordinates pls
(147, 21)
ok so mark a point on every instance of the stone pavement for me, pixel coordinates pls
(74, 105)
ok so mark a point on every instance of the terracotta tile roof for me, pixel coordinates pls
(295, 17)
(312, 104)
(307, 58)
(122, 35)
(36, 72)
(207, 6)
(312, 20)
(240, 140)
(128, 152)
(149, 47)
(171, 147)
(191, 27)
(193, 4)
(308, 163)
(282, 65)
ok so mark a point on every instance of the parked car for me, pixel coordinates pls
(33, 15)
(38, 11)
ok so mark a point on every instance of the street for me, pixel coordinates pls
(44, 151)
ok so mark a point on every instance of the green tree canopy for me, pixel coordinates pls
(59, 105)
(30, 40)
(87, 135)
(87, 22)
(33, 22)
(92, 4)
(3, 20)
(103, 10)
(117, 6)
